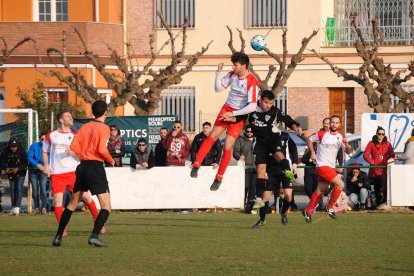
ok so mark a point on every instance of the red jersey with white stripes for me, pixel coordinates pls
(57, 144)
(328, 146)
(243, 90)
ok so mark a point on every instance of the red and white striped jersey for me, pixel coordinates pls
(243, 90)
(328, 147)
(57, 143)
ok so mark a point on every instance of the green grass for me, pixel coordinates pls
(211, 243)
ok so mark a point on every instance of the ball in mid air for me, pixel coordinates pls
(258, 42)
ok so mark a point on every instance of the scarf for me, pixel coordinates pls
(115, 143)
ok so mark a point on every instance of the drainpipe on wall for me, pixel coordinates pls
(96, 10)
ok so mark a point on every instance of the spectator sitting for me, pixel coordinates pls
(36, 175)
(408, 155)
(378, 153)
(358, 184)
(160, 151)
(116, 146)
(14, 162)
(177, 145)
(213, 156)
(243, 152)
(142, 157)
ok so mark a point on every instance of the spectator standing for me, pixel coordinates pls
(36, 175)
(160, 151)
(116, 146)
(213, 156)
(177, 145)
(358, 184)
(142, 157)
(243, 151)
(377, 153)
(14, 162)
(408, 155)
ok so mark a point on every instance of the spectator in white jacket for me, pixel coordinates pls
(408, 155)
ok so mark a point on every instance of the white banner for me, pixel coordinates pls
(173, 188)
(400, 185)
(397, 127)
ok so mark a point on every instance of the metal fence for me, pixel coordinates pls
(395, 18)
(174, 12)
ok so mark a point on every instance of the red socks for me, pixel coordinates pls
(224, 163)
(58, 212)
(312, 204)
(92, 207)
(334, 197)
(202, 152)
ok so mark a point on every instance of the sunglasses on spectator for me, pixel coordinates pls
(380, 134)
(249, 131)
(142, 145)
(176, 127)
(113, 129)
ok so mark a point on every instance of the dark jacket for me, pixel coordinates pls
(138, 157)
(14, 160)
(353, 186)
(213, 156)
(160, 154)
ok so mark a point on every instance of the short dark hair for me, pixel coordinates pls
(248, 126)
(267, 94)
(164, 128)
(380, 128)
(98, 108)
(60, 114)
(327, 118)
(206, 124)
(241, 58)
(335, 116)
(177, 122)
(412, 132)
(140, 140)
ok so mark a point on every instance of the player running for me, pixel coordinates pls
(90, 145)
(275, 178)
(242, 99)
(61, 162)
(329, 143)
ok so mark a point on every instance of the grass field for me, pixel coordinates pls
(211, 243)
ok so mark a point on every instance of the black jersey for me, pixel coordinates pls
(264, 124)
(288, 145)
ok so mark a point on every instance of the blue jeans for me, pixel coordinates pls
(39, 182)
(361, 198)
(16, 190)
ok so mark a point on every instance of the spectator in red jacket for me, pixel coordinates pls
(379, 152)
(177, 145)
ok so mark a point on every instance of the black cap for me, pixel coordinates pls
(13, 142)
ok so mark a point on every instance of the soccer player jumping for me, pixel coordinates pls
(329, 141)
(89, 145)
(242, 100)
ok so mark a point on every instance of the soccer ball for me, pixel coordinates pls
(258, 43)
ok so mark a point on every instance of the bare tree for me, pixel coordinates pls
(284, 69)
(141, 87)
(376, 77)
(6, 52)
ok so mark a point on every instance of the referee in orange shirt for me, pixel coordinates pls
(90, 145)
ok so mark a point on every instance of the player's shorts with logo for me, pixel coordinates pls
(263, 147)
(233, 129)
(61, 181)
(91, 175)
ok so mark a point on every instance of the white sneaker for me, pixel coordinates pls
(17, 211)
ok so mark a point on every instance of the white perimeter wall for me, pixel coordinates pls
(401, 181)
(173, 188)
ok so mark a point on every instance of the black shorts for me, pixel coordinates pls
(91, 175)
(263, 148)
(280, 179)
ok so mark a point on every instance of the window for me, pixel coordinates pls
(265, 13)
(174, 12)
(50, 10)
(281, 101)
(395, 18)
(57, 95)
(179, 101)
(105, 94)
